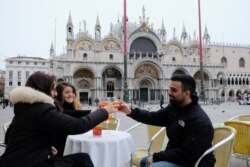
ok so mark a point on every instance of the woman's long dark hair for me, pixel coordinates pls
(41, 82)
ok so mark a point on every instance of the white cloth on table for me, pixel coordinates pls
(111, 149)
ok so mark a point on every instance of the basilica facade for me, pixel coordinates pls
(95, 65)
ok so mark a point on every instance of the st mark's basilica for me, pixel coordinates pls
(95, 65)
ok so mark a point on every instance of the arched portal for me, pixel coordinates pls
(144, 88)
(111, 81)
(84, 81)
(238, 92)
(197, 77)
(147, 82)
(222, 93)
(231, 94)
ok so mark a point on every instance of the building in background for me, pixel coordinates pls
(94, 64)
(19, 68)
(2, 82)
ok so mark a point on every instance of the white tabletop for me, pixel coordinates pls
(111, 149)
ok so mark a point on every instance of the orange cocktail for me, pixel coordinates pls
(110, 117)
(105, 103)
(97, 131)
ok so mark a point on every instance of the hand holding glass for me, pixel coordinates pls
(121, 106)
(108, 106)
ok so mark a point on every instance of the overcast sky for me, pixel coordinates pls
(27, 27)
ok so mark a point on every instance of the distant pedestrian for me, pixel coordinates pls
(11, 104)
(6, 101)
(134, 99)
(161, 101)
(97, 101)
(3, 102)
(90, 101)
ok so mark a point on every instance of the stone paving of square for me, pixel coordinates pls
(217, 113)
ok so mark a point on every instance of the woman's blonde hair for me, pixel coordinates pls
(77, 104)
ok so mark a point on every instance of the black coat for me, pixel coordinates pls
(60, 140)
(189, 130)
(36, 123)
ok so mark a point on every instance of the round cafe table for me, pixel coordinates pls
(111, 149)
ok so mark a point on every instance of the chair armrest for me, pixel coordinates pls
(154, 137)
(117, 120)
(218, 125)
(240, 118)
(233, 118)
(237, 122)
(215, 146)
(2, 144)
(133, 127)
(6, 126)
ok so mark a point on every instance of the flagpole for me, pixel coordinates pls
(202, 93)
(125, 92)
(55, 39)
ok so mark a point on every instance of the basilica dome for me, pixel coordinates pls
(118, 28)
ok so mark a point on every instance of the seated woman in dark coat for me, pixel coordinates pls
(37, 121)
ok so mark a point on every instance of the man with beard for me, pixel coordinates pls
(189, 129)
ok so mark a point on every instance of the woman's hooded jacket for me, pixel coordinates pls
(35, 124)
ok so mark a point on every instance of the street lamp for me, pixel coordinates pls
(202, 93)
(125, 90)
